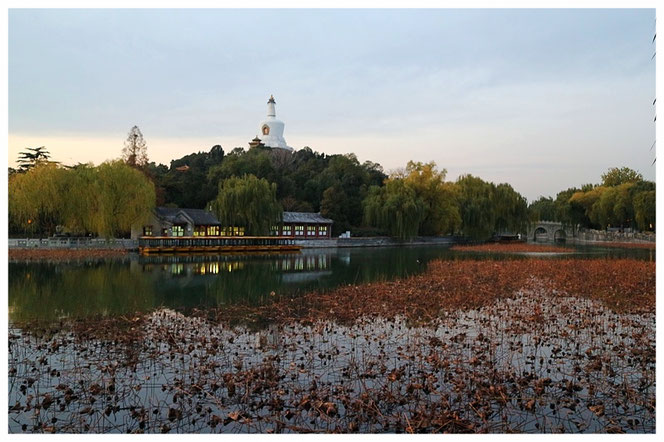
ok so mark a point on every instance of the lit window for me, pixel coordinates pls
(287, 230)
(235, 231)
(178, 230)
(311, 230)
(199, 231)
(322, 230)
(299, 230)
(213, 231)
(274, 230)
(147, 230)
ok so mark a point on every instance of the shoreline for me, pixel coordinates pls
(49, 254)
(65, 254)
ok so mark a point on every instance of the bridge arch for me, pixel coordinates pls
(540, 234)
(550, 231)
(560, 235)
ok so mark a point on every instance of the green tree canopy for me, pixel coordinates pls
(334, 206)
(37, 198)
(248, 202)
(645, 210)
(589, 202)
(105, 200)
(478, 217)
(543, 209)
(440, 206)
(125, 197)
(394, 207)
(511, 209)
(31, 157)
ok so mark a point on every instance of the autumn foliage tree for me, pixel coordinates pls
(135, 149)
(616, 176)
(623, 199)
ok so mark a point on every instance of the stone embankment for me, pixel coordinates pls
(602, 236)
(63, 249)
(384, 241)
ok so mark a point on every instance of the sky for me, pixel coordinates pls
(542, 99)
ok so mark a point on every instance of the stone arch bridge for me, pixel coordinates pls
(549, 231)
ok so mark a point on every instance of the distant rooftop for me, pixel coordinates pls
(306, 217)
(203, 217)
(198, 216)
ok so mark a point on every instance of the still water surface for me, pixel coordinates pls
(55, 290)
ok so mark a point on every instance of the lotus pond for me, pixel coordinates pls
(413, 339)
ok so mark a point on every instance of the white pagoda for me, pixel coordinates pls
(272, 130)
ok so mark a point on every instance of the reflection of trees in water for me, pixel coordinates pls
(195, 281)
(51, 291)
(117, 287)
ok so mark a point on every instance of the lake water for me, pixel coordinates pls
(56, 290)
(123, 354)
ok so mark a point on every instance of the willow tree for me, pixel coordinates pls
(81, 208)
(124, 197)
(439, 198)
(248, 202)
(37, 198)
(394, 207)
(644, 210)
(106, 200)
(511, 209)
(478, 216)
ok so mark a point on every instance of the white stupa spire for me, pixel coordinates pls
(271, 129)
(271, 112)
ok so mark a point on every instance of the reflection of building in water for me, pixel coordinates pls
(302, 268)
(291, 267)
(216, 267)
(187, 265)
(303, 263)
(175, 268)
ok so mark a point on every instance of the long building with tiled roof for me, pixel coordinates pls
(173, 221)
